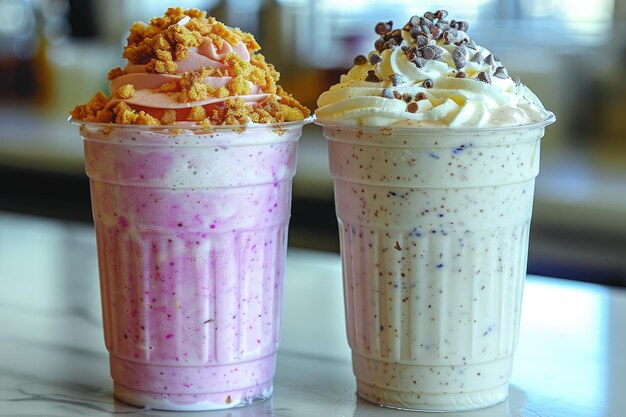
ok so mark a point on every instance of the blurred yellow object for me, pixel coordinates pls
(610, 143)
(77, 69)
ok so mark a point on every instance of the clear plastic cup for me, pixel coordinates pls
(191, 227)
(434, 227)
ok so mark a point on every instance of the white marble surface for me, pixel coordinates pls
(571, 360)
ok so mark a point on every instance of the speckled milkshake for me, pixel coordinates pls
(434, 237)
(434, 151)
(191, 229)
(191, 159)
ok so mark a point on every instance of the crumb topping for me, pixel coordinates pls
(168, 118)
(125, 91)
(115, 72)
(197, 114)
(166, 40)
(94, 110)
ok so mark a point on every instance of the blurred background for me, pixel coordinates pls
(56, 53)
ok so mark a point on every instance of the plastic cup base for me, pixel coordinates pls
(193, 402)
(426, 402)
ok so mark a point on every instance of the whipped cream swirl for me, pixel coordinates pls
(146, 84)
(429, 74)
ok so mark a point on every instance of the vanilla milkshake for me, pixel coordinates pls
(191, 161)
(433, 150)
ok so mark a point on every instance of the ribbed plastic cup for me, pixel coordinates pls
(434, 227)
(191, 228)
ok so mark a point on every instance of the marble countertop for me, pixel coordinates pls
(571, 360)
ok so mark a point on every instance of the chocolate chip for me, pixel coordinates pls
(427, 83)
(372, 77)
(516, 80)
(443, 25)
(478, 58)
(484, 77)
(441, 14)
(383, 27)
(460, 74)
(501, 72)
(387, 93)
(415, 20)
(458, 56)
(448, 37)
(391, 43)
(462, 25)
(490, 60)
(436, 32)
(397, 95)
(430, 15)
(438, 51)
(412, 107)
(379, 45)
(421, 41)
(420, 96)
(397, 79)
(415, 32)
(410, 52)
(426, 29)
(407, 97)
(428, 52)
(375, 58)
(360, 60)
(419, 62)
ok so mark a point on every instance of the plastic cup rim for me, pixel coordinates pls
(194, 128)
(444, 130)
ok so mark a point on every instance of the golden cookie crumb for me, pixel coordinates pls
(290, 113)
(222, 92)
(205, 123)
(144, 118)
(288, 100)
(196, 114)
(238, 86)
(169, 117)
(124, 114)
(161, 67)
(125, 91)
(167, 88)
(104, 116)
(115, 72)
(266, 77)
(164, 55)
(182, 52)
(90, 110)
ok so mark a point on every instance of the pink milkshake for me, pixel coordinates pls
(191, 216)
